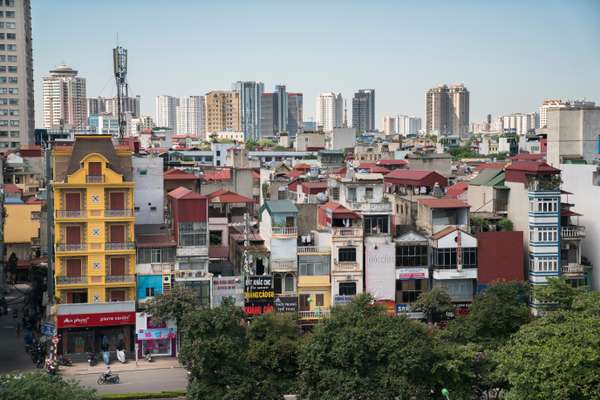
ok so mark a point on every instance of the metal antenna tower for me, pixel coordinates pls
(120, 69)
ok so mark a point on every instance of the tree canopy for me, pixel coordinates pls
(40, 385)
(434, 304)
(175, 304)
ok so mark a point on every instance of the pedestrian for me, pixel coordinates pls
(105, 352)
(18, 329)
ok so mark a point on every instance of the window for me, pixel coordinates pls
(216, 238)
(543, 234)
(309, 269)
(149, 292)
(369, 193)
(351, 194)
(11, 58)
(407, 291)
(544, 205)
(411, 256)
(347, 288)
(376, 224)
(335, 193)
(35, 215)
(192, 234)
(10, 25)
(155, 255)
(347, 254)
(9, 3)
(10, 14)
(11, 47)
(304, 302)
(12, 36)
(289, 283)
(320, 300)
(446, 258)
(544, 264)
(143, 172)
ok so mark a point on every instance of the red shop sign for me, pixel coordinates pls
(100, 319)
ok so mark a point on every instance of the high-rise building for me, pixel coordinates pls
(330, 111)
(448, 110)
(16, 105)
(190, 116)
(100, 105)
(221, 111)
(401, 124)
(250, 96)
(65, 100)
(517, 122)
(389, 125)
(166, 114)
(281, 112)
(363, 110)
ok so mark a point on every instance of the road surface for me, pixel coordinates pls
(152, 380)
(13, 356)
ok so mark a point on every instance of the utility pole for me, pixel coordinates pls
(246, 243)
(2, 269)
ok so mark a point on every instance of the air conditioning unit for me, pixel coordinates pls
(166, 278)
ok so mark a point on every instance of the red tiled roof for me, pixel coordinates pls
(294, 174)
(178, 175)
(339, 210)
(528, 157)
(12, 188)
(457, 189)
(490, 165)
(531, 166)
(184, 193)
(314, 187)
(302, 166)
(444, 202)
(33, 200)
(255, 174)
(392, 162)
(444, 232)
(217, 174)
(225, 196)
(154, 240)
(409, 174)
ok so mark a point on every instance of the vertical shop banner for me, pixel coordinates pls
(228, 287)
(258, 294)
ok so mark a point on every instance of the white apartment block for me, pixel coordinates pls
(190, 116)
(520, 123)
(330, 111)
(401, 124)
(166, 116)
(64, 98)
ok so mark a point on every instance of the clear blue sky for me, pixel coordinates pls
(510, 54)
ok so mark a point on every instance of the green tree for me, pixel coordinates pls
(496, 313)
(558, 292)
(174, 304)
(40, 385)
(554, 357)
(505, 224)
(434, 304)
(360, 352)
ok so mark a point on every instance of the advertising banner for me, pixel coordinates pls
(258, 294)
(286, 304)
(100, 319)
(412, 273)
(156, 333)
(340, 299)
(228, 287)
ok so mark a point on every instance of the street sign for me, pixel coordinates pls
(47, 329)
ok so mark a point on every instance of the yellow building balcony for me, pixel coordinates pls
(71, 247)
(119, 214)
(95, 179)
(69, 281)
(71, 215)
(119, 247)
(119, 280)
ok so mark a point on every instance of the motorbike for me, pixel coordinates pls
(92, 359)
(148, 356)
(64, 361)
(106, 378)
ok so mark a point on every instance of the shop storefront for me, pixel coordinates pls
(81, 333)
(158, 339)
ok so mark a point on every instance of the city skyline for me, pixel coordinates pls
(499, 84)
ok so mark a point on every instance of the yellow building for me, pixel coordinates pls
(94, 265)
(22, 223)
(314, 283)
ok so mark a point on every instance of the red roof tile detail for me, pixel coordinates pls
(178, 175)
(184, 193)
(225, 196)
(457, 189)
(392, 162)
(217, 174)
(444, 202)
(532, 166)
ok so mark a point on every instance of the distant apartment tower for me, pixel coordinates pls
(64, 98)
(448, 110)
(190, 116)
(363, 110)
(281, 112)
(330, 111)
(100, 105)
(221, 111)
(250, 95)
(519, 123)
(166, 112)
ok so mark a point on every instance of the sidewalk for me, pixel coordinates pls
(83, 368)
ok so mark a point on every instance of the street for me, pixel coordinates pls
(13, 356)
(151, 380)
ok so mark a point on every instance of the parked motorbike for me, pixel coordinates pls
(148, 356)
(108, 378)
(92, 359)
(64, 361)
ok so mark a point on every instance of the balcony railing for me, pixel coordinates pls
(119, 246)
(315, 314)
(371, 207)
(71, 280)
(284, 231)
(572, 268)
(161, 268)
(71, 213)
(346, 266)
(347, 231)
(572, 232)
(544, 185)
(71, 246)
(118, 213)
(94, 178)
(305, 250)
(119, 278)
(283, 266)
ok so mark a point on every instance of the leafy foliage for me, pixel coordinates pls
(40, 385)
(505, 224)
(360, 352)
(554, 357)
(175, 304)
(558, 291)
(434, 304)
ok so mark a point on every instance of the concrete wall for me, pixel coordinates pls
(573, 132)
(19, 227)
(481, 198)
(380, 267)
(149, 190)
(307, 218)
(341, 138)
